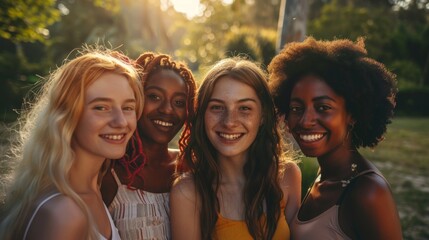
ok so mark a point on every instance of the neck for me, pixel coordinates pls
(231, 170)
(337, 166)
(83, 175)
(156, 154)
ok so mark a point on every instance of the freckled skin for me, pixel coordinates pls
(232, 118)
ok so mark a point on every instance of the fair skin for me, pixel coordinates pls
(107, 123)
(232, 120)
(319, 122)
(164, 114)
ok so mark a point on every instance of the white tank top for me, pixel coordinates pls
(115, 234)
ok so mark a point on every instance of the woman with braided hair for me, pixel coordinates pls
(138, 185)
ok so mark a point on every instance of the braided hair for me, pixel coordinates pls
(150, 63)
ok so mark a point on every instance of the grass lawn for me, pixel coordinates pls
(403, 158)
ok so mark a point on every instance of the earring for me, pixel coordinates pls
(349, 129)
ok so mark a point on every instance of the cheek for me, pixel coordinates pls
(181, 113)
(291, 121)
(132, 121)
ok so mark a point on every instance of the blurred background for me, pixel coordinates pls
(37, 35)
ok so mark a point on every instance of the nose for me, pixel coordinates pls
(118, 119)
(308, 118)
(166, 107)
(230, 118)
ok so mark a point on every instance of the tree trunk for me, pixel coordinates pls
(292, 24)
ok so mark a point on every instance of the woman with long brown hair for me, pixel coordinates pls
(240, 184)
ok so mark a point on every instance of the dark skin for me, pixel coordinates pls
(319, 121)
(157, 174)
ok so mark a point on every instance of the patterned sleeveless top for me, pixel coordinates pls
(140, 214)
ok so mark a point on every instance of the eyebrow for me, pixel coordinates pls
(324, 97)
(104, 99)
(163, 90)
(240, 101)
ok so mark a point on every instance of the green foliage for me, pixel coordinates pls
(350, 21)
(413, 102)
(408, 73)
(25, 20)
(218, 31)
(257, 45)
(309, 167)
(398, 38)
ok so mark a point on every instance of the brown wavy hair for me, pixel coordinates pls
(261, 169)
(150, 63)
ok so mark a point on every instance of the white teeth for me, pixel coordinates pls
(162, 123)
(113, 137)
(311, 137)
(230, 136)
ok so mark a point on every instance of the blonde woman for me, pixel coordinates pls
(86, 113)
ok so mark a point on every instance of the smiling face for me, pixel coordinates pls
(108, 119)
(164, 110)
(318, 118)
(232, 117)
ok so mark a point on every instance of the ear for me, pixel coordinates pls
(350, 121)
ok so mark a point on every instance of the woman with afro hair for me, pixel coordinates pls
(137, 187)
(336, 99)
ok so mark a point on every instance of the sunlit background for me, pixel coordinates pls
(37, 37)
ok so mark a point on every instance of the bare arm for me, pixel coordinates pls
(290, 183)
(185, 216)
(373, 211)
(59, 218)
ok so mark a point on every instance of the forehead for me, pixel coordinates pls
(313, 86)
(109, 85)
(232, 89)
(166, 78)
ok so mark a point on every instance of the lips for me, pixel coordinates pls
(162, 123)
(311, 137)
(113, 137)
(230, 136)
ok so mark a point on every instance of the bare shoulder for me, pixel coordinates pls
(370, 189)
(290, 183)
(372, 209)
(291, 175)
(59, 218)
(184, 188)
(184, 204)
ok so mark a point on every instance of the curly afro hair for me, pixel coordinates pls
(368, 88)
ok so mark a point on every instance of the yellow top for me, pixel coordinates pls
(227, 229)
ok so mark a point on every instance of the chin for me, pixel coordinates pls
(116, 155)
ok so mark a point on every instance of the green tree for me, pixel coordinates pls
(25, 20)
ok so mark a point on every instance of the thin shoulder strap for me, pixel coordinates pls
(340, 200)
(115, 176)
(35, 212)
(311, 186)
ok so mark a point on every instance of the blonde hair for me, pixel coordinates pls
(44, 148)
